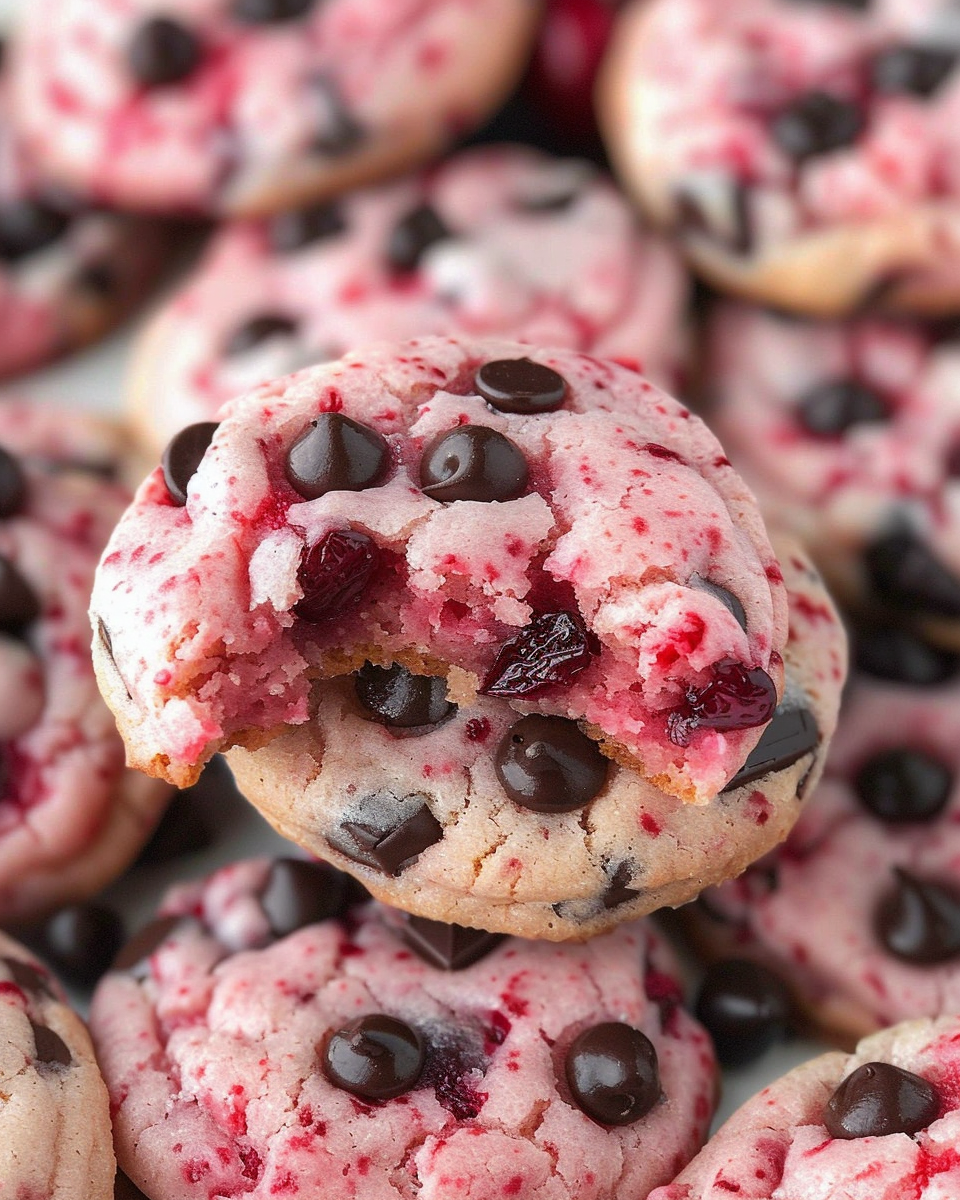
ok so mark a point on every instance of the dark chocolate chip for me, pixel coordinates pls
(51, 1049)
(916, 70)
(393, 850)
(904, 573)
(918, 920)
(413, 235)
(163, 51)
(334, 572)
(791, 734)
(745, 1009)
(19, 603)
(13, 485)
(336, 454)
(448, 947)
(182, 831)
(291, 231)
(951, 464)
(103, 633)
(547, 764)
(338, 132)
(135, 955)
(299, 893)
(831, 408)
(81, 941)
(879, 1099)
(258, 330)
(27, 977)
(727, 599)
(100, 279)
(402, 700)
(183, 456)
(27, 226)
(724, 217)
(473, 462)
(613, 1073)
(548, 202)
(618, 890)
(816, 123)
(903, 785)
(270, 12)
(901, 656)
(519, 385)
(375, 1057)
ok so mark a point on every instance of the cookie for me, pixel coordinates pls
(495, 241)
(881, 1122)
(859, 911)
(803, 153)
(850, 436)
(238, 107)
(71, 815)
(264, 1038)
(55, 1138)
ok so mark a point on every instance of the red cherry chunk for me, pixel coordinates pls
(334, 572)
(554, 648)
(737, 697)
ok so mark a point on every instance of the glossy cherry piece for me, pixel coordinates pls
(737, 697)
(553, 649)
(334, 572)
(375, 1057)
(613, 1073)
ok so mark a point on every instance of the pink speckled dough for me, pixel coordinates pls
(211, 1059)
(691, 91)
(581, 275)
(71, 816)
(275, 113)
(776, 1147)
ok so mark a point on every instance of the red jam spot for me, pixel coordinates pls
(334, 572)
(650, 824)
(554, 648)
(477, 729)
(513, 1185)
(496, 1031)
(737, 697)
(658, 451)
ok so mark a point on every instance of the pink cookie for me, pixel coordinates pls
(71, 816)
(267, 1039)
(850, 435)
(252, 106)
(500, 240)
(882, 1123)
(804, 152)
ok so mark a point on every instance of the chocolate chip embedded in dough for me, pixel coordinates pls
(879, 1099)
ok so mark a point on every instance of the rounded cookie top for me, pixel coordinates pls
(882, 1121)
(55, 1138)
(575, 541)
(264, 1037)
(243, 106)
(500, 240)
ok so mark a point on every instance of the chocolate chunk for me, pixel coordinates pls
(336, 454)
(334, 572)
(258, 330)
(299, 893)
(392, 850)
(448, 947)
(547, 764)
(553, 649)
(519, 385)
(13, 485)
(613, 1073)
(718, 208)
(473, 462)
(28, 978)
(916, 70)
(791, 734)
(291, 231)
(163, 51)
(548, 202)
(27, 226)
(413, 235)
(402, 700)
(81, 941)
(901, 656)
(99, 279)
(270, 12)
(904, 785)
(51, 1049)
(831, 408)
(745, 1009)
(618, 890)
(727, 599)
(135, 955)
(879, 1099)
(816, 123)
(183, 456)
(338, 131)
(19, 603)
(904, 573)
(375, 1057)
(918, 920)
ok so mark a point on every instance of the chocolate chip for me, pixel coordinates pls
(879, 1099)
(135, 955)
(904, 785)
(258, 330)
(13, 485)
(51, 1049)
(473, 462)
(375, 1057)
(791, 734)
(28, 978)
(270, 12)
(336, 454)
(335, 572)
(100, 279)
(613, 1073)
(19, 603)
(338, 131)
(448, 947)
(519, 385)
(553, 649)
(27, 226)
(618, 890)
(727, 599)
(103, 633)
(548, 202)
(816, 123)
(918, 920)
(901, 656)
(904, 573)
(299, 893)
(402, 700)
(720, 211)
(547, 764)
(392, 850)
(413, 235)
(916, 70)
(831, 408)
(745, 1009)
(81, 941)
(183, 456)
(163, 51)
(182, 831)
(291, 231)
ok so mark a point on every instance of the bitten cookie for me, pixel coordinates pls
(880, 1124)
(234, 107)
(805, 154)
(71, 816)
(495, 241)
(850, 436)
(265, 1038)
(55, 1138)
